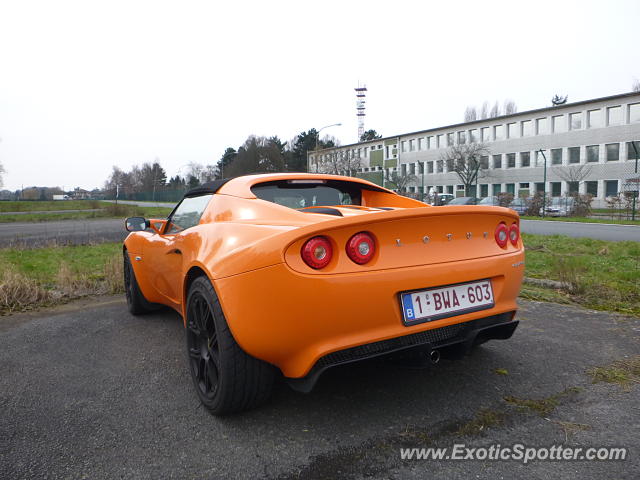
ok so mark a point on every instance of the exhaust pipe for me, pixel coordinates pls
(434, 356)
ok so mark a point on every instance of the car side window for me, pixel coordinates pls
(187, 214)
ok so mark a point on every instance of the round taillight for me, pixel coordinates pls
(514, 234)
(317, 252)
(361, 248)
(502, 235)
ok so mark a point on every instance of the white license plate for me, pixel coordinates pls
(440, 302)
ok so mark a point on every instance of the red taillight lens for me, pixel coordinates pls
(317, 252)
(514, 234)
(502, 235)
(361, 248)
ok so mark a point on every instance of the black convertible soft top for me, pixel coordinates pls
(215, 185)
(206, 188)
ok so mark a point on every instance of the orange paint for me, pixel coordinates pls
(283, 311)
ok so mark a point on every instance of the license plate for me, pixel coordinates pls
(440, 302)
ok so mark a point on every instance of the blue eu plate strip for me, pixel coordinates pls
(408, 307)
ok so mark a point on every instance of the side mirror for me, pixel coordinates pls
(136, 224)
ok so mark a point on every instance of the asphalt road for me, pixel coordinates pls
(145, 204)
(600, 231)
(112, 230)
(62, 232)
(88, 391)
(49, 212)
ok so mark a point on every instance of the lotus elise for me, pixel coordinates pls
(291, 274)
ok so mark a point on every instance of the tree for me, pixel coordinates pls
(576, 173)
(193, 181)
(300, 145)
(177, 183)
(194, 170)
(257, 154)
(484, 111)
(510, 107)
(635, 86)
(369, 135)
(209, 173)
(150, 177)
(2, 172)
(340, 162)
(465, 160)
(470, 114)
(115, 182)
(398, 181)
(495, 110)
(228, 156)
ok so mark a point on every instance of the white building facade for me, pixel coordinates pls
(595, 134)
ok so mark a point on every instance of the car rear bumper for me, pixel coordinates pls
(293, 320)
(458, 338)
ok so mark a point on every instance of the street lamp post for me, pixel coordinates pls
(424, 170)
(637, 192)
(318, 141)
(544, 184)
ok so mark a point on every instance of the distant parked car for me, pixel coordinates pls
(561, 207)
(520, 205)
(464, 201)
(493, 201)
(439, 199)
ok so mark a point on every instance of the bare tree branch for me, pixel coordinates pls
(340, 162)
(577, 173)
(510, 107)
(470, 114)
(465, 160)
(484, 111)
(495, 110)
(399, 181)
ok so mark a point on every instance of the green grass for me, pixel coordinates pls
(542, 406)
(43, 264)
(110, 210)
(31, 206)
(622, 372)
(598, 274)
(586, 220)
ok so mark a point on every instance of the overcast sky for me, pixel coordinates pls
(87, 85)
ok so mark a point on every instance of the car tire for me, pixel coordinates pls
(136, 303)
(226, 379)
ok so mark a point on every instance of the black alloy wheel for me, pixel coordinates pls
(202, 344)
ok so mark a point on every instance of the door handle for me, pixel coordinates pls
(176, 251)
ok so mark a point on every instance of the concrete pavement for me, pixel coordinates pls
(88, 391)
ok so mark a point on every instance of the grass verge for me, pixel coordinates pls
(593, 273)
(44, 276)
(31, 206)
(107, 210)
(584, 220)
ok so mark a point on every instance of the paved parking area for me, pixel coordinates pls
(88, 391)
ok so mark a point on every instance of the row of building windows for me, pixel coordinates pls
(595, 118)
(554, 188)
(525, 128)
(558, 156)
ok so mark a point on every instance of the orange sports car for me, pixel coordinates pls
(298, 273)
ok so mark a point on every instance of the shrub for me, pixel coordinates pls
(505, 199)
(18, 292)
(114, 274)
